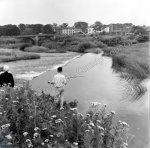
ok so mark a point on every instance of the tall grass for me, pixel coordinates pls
(8, 55)
(134, 60)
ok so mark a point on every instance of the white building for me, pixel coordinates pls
(70, 30)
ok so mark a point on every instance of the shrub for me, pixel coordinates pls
(83, 46)
(100, 44)
(36, 49)
(142, 38)
(31, 120)
(24, 45)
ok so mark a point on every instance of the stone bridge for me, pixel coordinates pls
(34, 38)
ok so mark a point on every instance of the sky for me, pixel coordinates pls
(71, 11)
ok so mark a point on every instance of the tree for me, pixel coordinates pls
(98, 26)
(65, 25)
(22, 27)
(137, 30)
(9, 30)
(36, 28)
(81, 25)
(48, 29)
(27, 31)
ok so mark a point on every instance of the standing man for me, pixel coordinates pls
(6, 77)
(59, 81)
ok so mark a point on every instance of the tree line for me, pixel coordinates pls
(27, 29)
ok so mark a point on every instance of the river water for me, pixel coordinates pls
(90, 79)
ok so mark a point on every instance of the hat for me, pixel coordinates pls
(5, 68)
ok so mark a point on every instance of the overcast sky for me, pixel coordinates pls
(71, 11)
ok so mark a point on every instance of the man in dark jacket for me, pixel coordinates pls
(6, 77)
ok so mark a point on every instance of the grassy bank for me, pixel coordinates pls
(133, 60)
(31, 120)
(7, 55)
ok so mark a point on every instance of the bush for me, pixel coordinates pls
(100, 44)
(83, 46)
(24, 45)
(37, 49)
(142, 39)
(31, 120)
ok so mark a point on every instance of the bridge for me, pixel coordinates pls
(34, 38)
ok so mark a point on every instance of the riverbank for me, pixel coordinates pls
(91, 79)
(132, 60)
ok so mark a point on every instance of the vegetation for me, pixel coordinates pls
(134, 60)
(31, 120)
(7, 55)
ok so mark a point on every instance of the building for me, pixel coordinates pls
(119, 29)
(70, 30)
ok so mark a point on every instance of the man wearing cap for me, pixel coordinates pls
(6, 77)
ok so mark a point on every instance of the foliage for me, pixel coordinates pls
(137, 30)
(38, 49)
(48, 29)
(28, 119)
(143, 38)
(23, 46)
(81, 25)
(9, 30)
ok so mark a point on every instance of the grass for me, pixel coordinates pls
(134, 60)
(8, 55)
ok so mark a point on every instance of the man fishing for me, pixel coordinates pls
(59, 81)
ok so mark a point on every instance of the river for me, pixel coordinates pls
(92, 79)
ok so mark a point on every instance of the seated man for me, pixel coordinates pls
(6, 77)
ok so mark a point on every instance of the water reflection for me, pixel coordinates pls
(134, 89)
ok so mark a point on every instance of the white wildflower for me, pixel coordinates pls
(42, 143)
(54, 116)
(51, 135)
(25, 133)
(36, 128)
(87, 130)
(125, 124)
(80, 115)
(91, 123)
(113, 112)
(45, 128)
(94, 104)
(75, 143)
(8, 137)
(6, 98)
(73, 109)
(46, 140)
(35, 135)
(1, 113)
(101, 128)
(98, 121)
(9, 143)
(88, 115)
(15, 101)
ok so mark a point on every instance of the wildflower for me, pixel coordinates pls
(54, 116)
(8, 137)
(75, 143)
(94, 104)
(113, 112)
(15, 101)
(80, 115)
(91, 123)
(42, 143)
(65, 117)
(5, 126)
(28, 140)
(30, 117)
(66, 140)
(1, 113)
(9, 143)
(73, 109)
(104, 105)
(44, 128)
(46, 140)
(87, 130)
(25, 134)
(35, 135)
(101, 128)
(125, 124)
(36, 128)
(98, 121)
(102, 134)
(51, 135)
(6, 98)
(88, 115)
